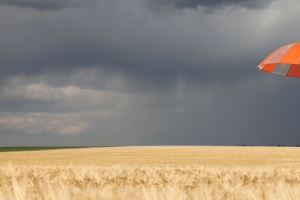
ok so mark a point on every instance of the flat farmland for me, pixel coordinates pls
(151, 173)
(160, 156)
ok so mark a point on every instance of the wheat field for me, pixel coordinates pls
(152, 173)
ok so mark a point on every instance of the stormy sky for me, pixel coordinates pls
(146, 72)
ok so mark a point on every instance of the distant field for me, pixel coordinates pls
(160, 156)
(10, 149)
(152, 173)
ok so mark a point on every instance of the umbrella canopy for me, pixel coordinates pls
(284, 61)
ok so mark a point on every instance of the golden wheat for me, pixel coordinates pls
(143, 182)
(152, 173)
(161, 155)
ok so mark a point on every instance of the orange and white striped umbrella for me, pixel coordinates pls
(284, 61)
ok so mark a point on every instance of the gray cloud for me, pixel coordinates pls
(48, 5)
(145, 72)
(214, 3)
(43, 5)
(250, 112)
(132, 39)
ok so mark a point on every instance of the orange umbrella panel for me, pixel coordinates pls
(284, 61)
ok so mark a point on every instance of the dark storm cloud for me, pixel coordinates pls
(195, 3)
(132, 72)
(151, 47)
(42, 5)
(45, 5)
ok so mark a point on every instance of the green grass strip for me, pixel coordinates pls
(11, 149)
